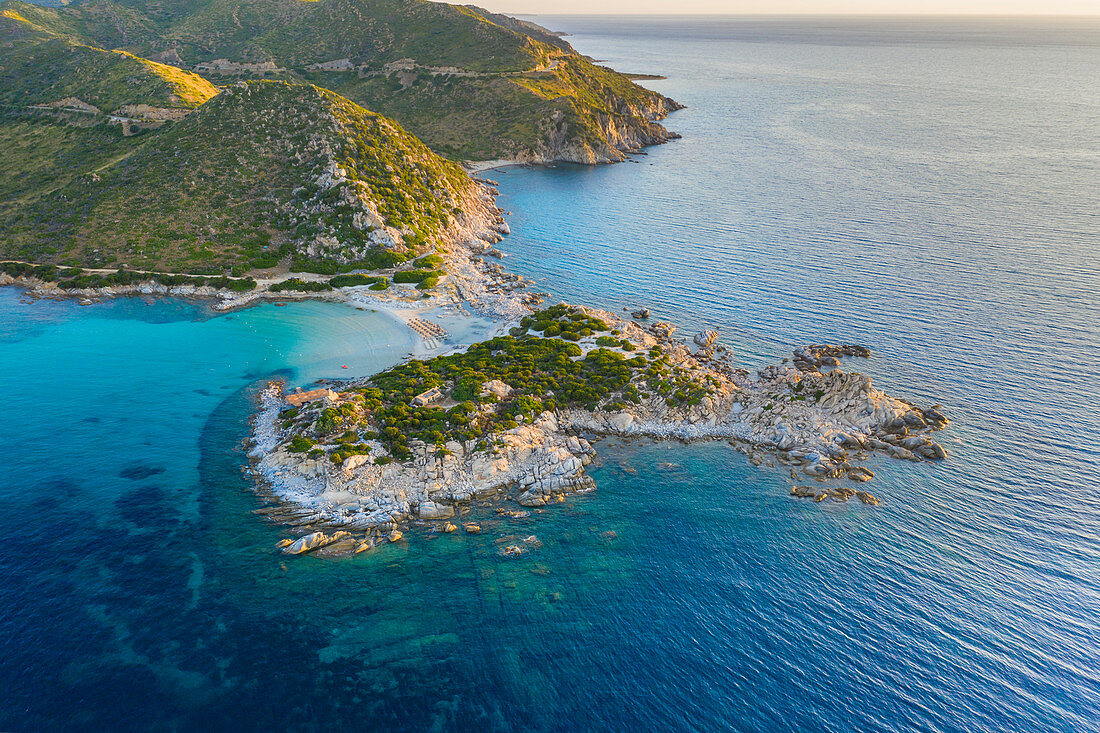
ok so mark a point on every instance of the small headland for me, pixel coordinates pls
(511, 423)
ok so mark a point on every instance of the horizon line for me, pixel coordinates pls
(814, 15)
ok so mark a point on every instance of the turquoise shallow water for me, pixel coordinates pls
(929, 191)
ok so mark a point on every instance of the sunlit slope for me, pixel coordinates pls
(41, 67)
(470, 83)
(262, 171)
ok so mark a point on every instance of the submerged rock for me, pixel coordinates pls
(314, 541)
(859, 473)
(867, 498)
(839, 493)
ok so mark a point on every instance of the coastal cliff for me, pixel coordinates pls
(617, 136)
(473, 85)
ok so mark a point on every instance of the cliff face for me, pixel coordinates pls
(600, 115)
(615, 136)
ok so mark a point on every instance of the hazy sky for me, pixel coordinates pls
(975, 7)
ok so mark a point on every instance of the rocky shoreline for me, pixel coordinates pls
(465, 240)
(805, 414)
(823, 425)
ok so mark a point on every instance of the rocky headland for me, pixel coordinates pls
(469, 235)
(354, 465)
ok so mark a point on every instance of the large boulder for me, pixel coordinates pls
(497, 388)
(432, 510)
(353, 462)
(314, 541)
(705, 339)
(620, 422)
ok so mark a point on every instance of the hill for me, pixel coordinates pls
(42, 67)
(472, 84)
(263, 171)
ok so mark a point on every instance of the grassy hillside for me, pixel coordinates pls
(463, 118)
(101, 23)
(40, 67)
(297, 33)
(578, 111)
(534, 30)
(262, 171)
(41, 156)
(522, 92)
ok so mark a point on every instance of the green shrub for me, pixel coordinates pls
(317, 268)
(301, 444)
(414, 276)
(428, 262)
(303, 286)
(349, 437)
(348, 281)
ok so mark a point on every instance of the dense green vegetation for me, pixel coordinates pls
(47, 273)
(349, 281)
(564, 322)
(544, 373)
(42, 68)
(415, 276)
(522, 90)
(429, 261)
(301, 286)
(259, 173)
(77, 279)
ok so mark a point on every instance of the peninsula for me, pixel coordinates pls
(509, 421)
(323, 150)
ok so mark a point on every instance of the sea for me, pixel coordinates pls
(929, 188)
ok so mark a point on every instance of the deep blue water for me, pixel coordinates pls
(929, 189)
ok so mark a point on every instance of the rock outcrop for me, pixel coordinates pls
(821, 425)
